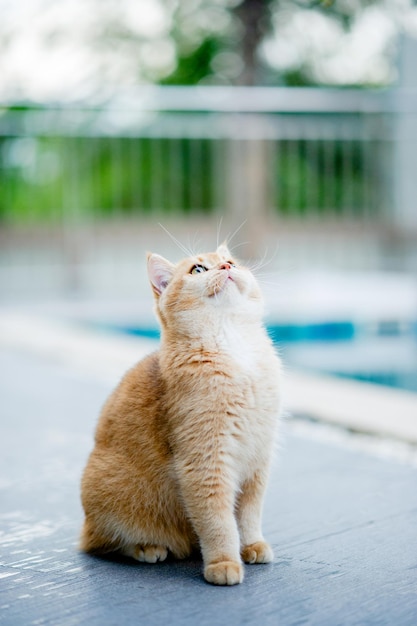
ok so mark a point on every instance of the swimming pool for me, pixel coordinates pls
(380, 356)
(384, 353)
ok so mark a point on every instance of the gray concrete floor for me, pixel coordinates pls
(342, 523)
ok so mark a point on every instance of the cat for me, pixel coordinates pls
(183, 445)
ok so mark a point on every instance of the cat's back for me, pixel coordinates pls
(132, 413)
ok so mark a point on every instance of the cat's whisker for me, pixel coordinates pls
(219, 227)
(269, 287)
(230, 238)
(263, 262)
(266, 279)
(239, 245)
(177, 242)
(195, 245)
(269, 284)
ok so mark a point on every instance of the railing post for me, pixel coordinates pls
(247, 185)
(405, 149)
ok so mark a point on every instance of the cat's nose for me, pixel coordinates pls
(225, 266)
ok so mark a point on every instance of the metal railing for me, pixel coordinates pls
(78, 185)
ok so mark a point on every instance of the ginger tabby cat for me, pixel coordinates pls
(183, 445)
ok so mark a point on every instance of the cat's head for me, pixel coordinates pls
(203, 287)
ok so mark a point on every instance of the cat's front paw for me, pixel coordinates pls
(258, 552)
(224, 573)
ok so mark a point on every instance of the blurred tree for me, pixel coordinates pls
(95, 50)
(295, 42)
(255, 21)
(230, 35)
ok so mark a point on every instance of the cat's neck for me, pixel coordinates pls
(235, 337)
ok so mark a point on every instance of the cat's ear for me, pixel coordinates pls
(223, 250)
(160, 272)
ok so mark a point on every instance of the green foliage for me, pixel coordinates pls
(323, 177)
(297, 78)
(55, 179)
(249, 24)
(195, 66)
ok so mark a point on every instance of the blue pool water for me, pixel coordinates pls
(384, 353)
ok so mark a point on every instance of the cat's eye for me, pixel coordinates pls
(198, 269)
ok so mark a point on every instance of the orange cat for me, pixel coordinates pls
(183, 445)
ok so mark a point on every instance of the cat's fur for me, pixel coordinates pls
(183, 445)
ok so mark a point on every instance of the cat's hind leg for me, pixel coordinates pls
(95, 542)
(145, 553)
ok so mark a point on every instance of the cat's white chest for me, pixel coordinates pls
(238, 344)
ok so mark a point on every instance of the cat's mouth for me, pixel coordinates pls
(221, 284)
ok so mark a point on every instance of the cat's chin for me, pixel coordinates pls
(228, 284)
(230, 292)
(236, 297)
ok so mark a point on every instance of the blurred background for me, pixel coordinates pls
(288, 126)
